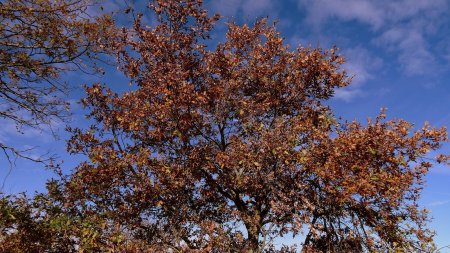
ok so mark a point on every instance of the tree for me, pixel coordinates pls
(40, 40)
(223, 149)
(44, 224)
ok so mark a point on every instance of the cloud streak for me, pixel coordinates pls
(439, 203)
(249, 8)
(374, 13)
(412, 49)
(402, 28)
(361, 63)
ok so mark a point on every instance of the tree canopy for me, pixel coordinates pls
(224, 148)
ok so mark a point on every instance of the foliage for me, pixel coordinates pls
(32, 225)
(40, 40)
(223, 149)
(45, 224)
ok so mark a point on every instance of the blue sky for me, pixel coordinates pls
(398, 52)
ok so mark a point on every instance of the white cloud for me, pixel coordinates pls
(347, 94)
(258, 7)
(412, 49)
(439, 203)
(361, 64)
(11, 132)
(403, 28)
(376, 13)
(249, 8)
(364, 11)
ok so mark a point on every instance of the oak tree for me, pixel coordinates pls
(224, 148)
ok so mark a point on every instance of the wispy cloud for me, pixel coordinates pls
(347, 94)
(413, 54)
(401, 28)
(439, 203)
(374, 13)
(11, 132)
(361, 64)
(321, 10)
(249, 8)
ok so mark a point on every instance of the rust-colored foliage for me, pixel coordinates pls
(39, 40)
(222, 149)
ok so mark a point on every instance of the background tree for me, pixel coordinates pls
(44, 224)
(225, 149)
(40, 40)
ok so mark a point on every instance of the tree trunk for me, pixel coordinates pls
(252, 238)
